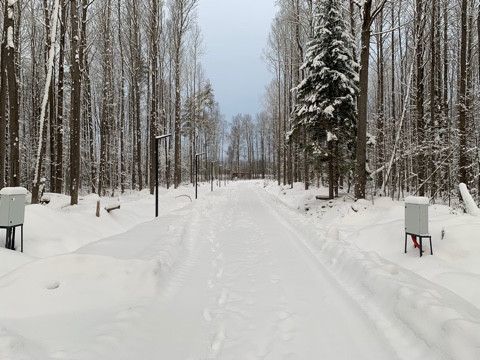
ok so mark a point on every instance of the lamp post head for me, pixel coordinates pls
(160, 137)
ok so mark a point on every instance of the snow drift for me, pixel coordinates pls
(394, 297)
(470, 204)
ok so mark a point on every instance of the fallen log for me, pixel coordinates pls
(112, 207)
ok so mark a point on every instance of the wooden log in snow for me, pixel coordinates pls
(111, 207)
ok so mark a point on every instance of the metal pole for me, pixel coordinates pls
(156, 177)
(196, 176)
(196, 173)
(219, 175)
(157, 142)
(167, 165)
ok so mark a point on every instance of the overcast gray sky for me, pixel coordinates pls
(235, 33)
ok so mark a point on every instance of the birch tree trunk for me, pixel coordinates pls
(46, 94)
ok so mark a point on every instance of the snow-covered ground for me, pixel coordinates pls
(378, 226)
(250, 271)
(435, 297)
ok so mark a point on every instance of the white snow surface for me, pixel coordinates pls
(331, 137)
(329, 110)
(417, 200)
(250, 271)
(470, 204)
(10, 42)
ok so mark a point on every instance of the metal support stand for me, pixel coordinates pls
(211, 176)
(10, 237)
(196, 173)
(220, 175)
(196, 177)
(420, 245)
(157, 141)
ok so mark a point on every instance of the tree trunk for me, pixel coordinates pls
(361, 151)
(462, 92)
(13, 103)
(380, 102)
(178, 138)
(60, 102)
(421, 168)
(75, 99)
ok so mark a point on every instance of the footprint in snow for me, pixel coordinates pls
(60, 354)
(218, 342)
(53, 285)
(223, 297)
(283, 315)
(108, 339)
(207, 315)
(128, 314)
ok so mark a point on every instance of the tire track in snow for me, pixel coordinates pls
(405, 343)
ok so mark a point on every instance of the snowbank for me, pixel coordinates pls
(79, 305)
(434, 299)
(470, 204)
(75, 283)
(10, 260)
(58, 228)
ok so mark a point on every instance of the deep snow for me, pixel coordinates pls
(251, 271)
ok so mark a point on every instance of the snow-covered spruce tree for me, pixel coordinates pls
(326, 98)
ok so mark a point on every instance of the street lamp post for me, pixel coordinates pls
(211, 175)
(220, 175)
(157, 141)
(196, 173)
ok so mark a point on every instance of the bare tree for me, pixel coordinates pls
(182, 14)
(369, 14)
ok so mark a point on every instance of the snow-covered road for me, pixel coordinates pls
(238, 274)
(248, 289)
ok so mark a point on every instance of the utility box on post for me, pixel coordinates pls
(12, 213)
(416, 221)
(12, 206)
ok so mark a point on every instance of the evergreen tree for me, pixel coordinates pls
(326, 98)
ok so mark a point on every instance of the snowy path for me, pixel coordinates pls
(249, 290)
(223, 278)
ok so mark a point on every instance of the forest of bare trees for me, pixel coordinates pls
(417, 126)
(86, 85)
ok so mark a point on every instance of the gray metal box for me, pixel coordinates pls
(12, 206)
(416, 215)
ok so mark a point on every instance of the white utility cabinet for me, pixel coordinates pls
(12, 206)
(416, 215)
(416, 222)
